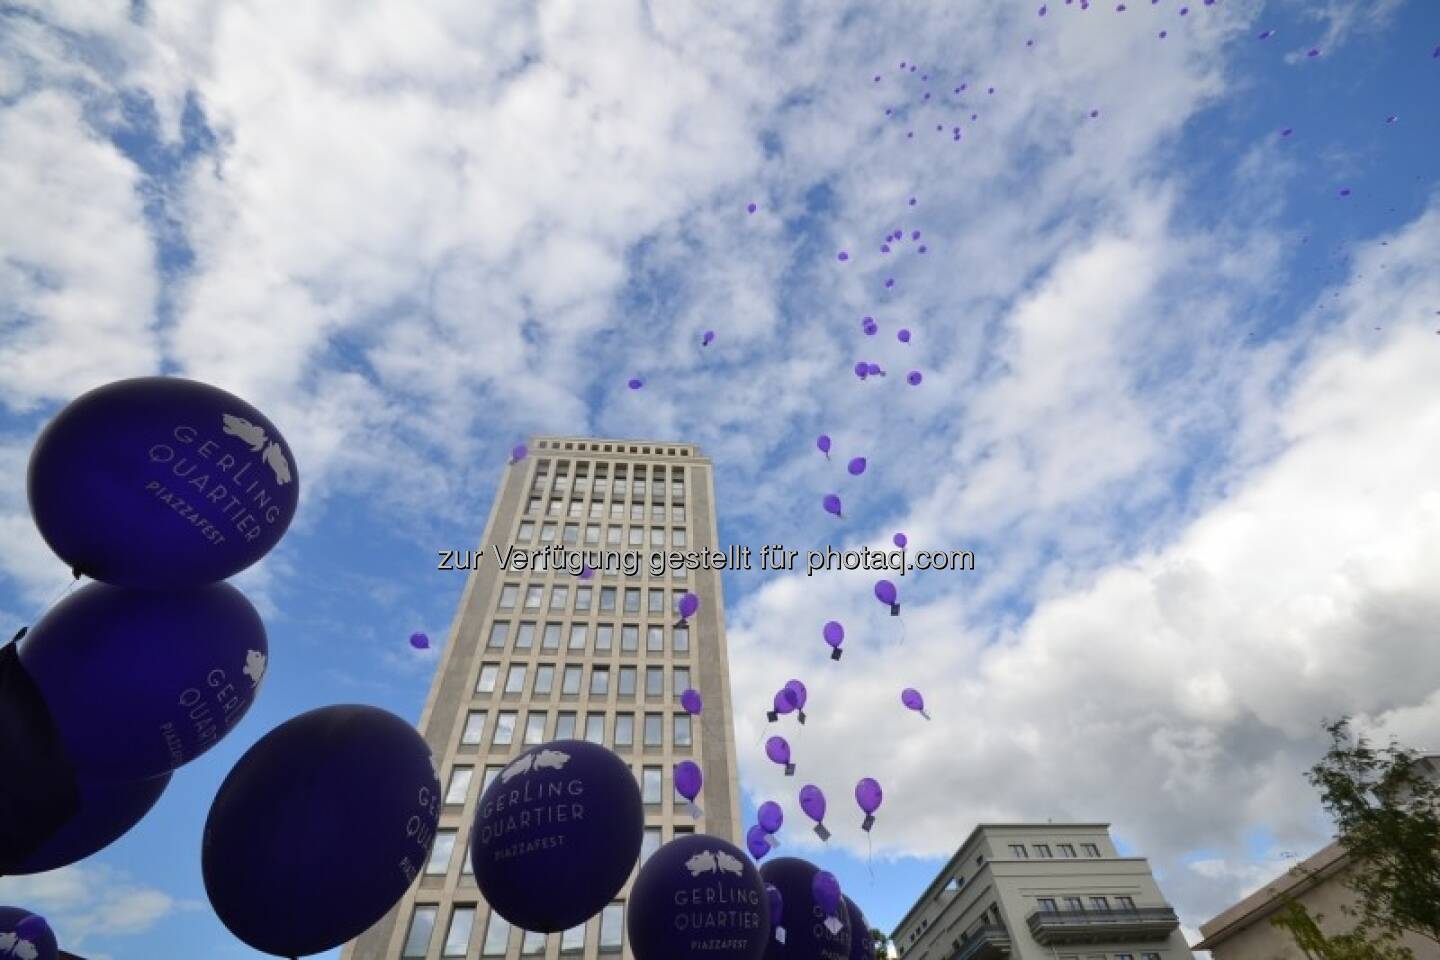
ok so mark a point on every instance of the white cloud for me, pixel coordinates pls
(86, 901)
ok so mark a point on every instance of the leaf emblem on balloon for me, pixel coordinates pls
(254, 434)
(255, 667)
(714, 861)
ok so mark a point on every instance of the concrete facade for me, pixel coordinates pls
(1041, 892)
(531, 654)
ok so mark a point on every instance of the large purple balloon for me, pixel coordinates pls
(688, 779)
(161, 482)
(38, 792)
(779, 752)
(320, 828)
(856, 466)
(770, 816)
(832, 504)
(861, 946)
(17, 926)
(812, 801)
(690, 700)
(143, 681)
(672, 908)
(802, 918)
(557, 806)
(689, 603)
(826, 888)
(756, 843)
(108, 810)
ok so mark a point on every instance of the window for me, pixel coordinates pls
(604, 636)
(655, 639)
(653, 732)
(624, 729)
(532, 507)
(532, 597)
(504, 728)
(617, 512)
(1099, 903)
(657, 536)
(1091, 850)
(607, 599)
(1149, 956)
(1074, 903)
(1124, 956)
(677, 573)
(439, 861)
(612, 922)
(649, 843)
(680, 638)
(637, 511)
(677, 513)
(497, 936)
(525, 636)
(492, 773)
(544, 679)
(654, 681)
(1047, 904)
(535, 727)
(515, 678)
(656, 601)
(592, 534)
(422, 925)
(677, 489)
(557, 506)
(595, 728)
(629, 638)
(596, 510)
(565, 726)
(1067, 850)
(636, 538)
(657, 487)
(526, 533)
(1017, 850)
(622, 485)
(682, 730)
(579, 632)
(600, 681)
(627, 682)
(551, 638)
(559, 597)
(612, 536)
(570, 683)
(457, 938)
(571, 533)
(499, 630)
(632, 599)
(507, 596)
(459, 784)
(1124, 903)
(474, 727)
(657, 513)
(573, 940)
(1042, 850)
(677, 537)
(573, 509)
(650, 786)
(534, 942)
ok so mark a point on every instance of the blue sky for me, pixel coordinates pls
(1178, 390)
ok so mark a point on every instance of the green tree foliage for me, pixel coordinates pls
(880, 943)
(1315, 945)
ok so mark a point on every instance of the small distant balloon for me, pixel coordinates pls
(706, 340)
(903, 335)
(756, 843)
(832, 504)
(900, 540)
(1266, 35)
(1391, 119)
(688, 604)
(419, 641)
(856, 466)
(1287, 131)
(750, 208)
(842, 256)
(889, 282)
(912, 699)
(862, 369)
(1313, 53)
(690, 700)
(688, 781)
(885, 592)
(912, 201)
(1344, 191)
(518, 453)
(770, 816)
(868, 796)
(812, 801)
(834, 635)
(823, 442)
(913, 378)
(800, 695)
(869, 326)
(874, 369)
(777, 912)
(778, 750)
(636, 383)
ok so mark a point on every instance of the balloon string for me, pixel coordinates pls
(869, 857)
(70, 585)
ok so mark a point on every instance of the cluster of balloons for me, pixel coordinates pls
(157, 489)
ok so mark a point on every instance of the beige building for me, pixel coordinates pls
(538, 655)
(1041, 892)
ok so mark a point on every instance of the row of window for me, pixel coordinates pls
(607, 448)
(461, 928)
(447, 842)
(580, 634)
(621, 486)
(597, 510)
(682, 728)
(1042, 851)
(1116, 956)
(584, 596)
(1078, 903)
(571, 676)
(652, 783)
(615, 536)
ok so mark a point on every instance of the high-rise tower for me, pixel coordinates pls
(542, 653)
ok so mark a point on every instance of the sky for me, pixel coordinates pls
(1177, 321)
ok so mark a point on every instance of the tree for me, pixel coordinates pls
(880, 944)
(1387, 817)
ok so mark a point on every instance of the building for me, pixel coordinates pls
(1041, 892)
(1244, 931)
(548, 654)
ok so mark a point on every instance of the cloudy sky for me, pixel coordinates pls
(1178, 391)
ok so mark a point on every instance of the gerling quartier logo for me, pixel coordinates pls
(714, 861)
(544, 760)
(254, 666)
(254, 434)
(12, 946)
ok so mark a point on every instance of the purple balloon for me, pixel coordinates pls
(750, 208)
(862, 369)
(689, 603)
(832, 504)
(823, 442)
(885, 592)
(903, 335)
(419, 641)
(812, 801)
(868, 795)
(771, 816)
(900, 540)
(856, 466)
(800, 693)
(784, 700)
(827, 892)
(777, 750)
(690, 700)
(869, 326)
(912, 699)
(688, 779)
(842, 256)
(518, 453)
(705, 340)
(913, 378)
(636, 383)
(874, 369)
(756, 843)
(777, 904)
(834, 633)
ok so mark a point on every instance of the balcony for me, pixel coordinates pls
(990, 942)
(1138, 925)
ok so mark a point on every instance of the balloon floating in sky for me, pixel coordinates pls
(143, 681)
(750, 208)
(795, 692)
(862, 369)
(856, 466)
(160, 482)
(518, 453)
(687, 606)
(903, 335)
(688, 781)
(320, 828)
(1266, 35)
(869, 326)
(795, 880)
(913, 378)
(834, 635)
(912, 699)
(842, 256)
(26, 936)
(108, 810)
(572, 790)
(672, 910)
(690, 700)
(419, 641)
(783, 702)
(885, 592)
(812, 801)
(826, 889)
(874, 369)
(755, 842)
(868, 796)
(707, 338)
(771, 817)
(899, 540)
(823, 442)
(778, 750)
(635, 383)
(832, 504)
